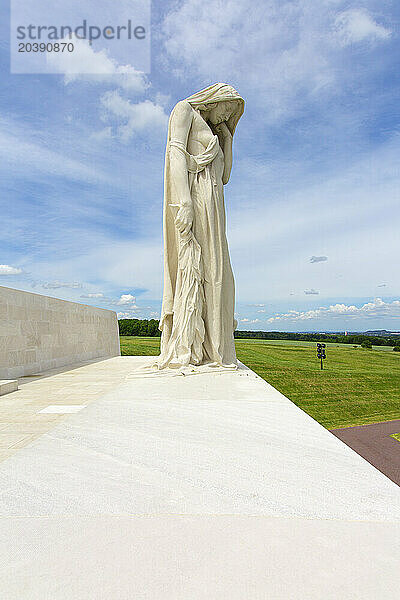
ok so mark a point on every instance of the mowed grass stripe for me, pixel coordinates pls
(356, 387)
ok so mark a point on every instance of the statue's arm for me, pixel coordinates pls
(181, 122)
(228, 159)
(225, 138)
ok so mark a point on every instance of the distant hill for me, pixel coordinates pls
(382, 332)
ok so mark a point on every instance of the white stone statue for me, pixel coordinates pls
(197, 319)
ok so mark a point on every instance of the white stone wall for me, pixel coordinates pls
(38, 333)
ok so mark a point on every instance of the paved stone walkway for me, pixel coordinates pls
(211, 486)
(21, 419)
(374, 443)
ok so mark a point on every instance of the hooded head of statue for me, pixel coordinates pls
(220, 102)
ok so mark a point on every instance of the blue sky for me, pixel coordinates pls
(313, 203)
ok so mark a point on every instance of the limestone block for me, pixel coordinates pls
(38, 333)
(7, 386)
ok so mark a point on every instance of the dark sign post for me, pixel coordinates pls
(321, 353)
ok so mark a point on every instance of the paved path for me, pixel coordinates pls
(209, 487)
(373, 442)
(22, 419)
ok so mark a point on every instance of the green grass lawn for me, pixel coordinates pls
(356, 387)
(139, 346)
(396, 436)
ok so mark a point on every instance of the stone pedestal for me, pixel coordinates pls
(7, 386)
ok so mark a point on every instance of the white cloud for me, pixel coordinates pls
(99, 295)
(162, 99)
(110, 260)
(316, 259)
(377, 308)
(357, 25)
(55, 285)
(280, 55)
(102, 135)
(8, 270)
(249, 321)
(281, 50)
(126, 299)
(125, 315)
(24, 153)
(133, 118)
(95, 67)
(132, 313)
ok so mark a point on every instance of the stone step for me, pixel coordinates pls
(8, 385)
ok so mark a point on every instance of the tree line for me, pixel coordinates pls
(338, 338)
(149, 328)
(140, 327)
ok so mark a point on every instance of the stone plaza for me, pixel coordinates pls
(121, 483)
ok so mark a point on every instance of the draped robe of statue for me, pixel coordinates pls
(199, 288)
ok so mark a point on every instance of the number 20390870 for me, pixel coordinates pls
(43, 47)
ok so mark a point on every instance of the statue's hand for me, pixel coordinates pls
(184, 219)
(223, 130)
